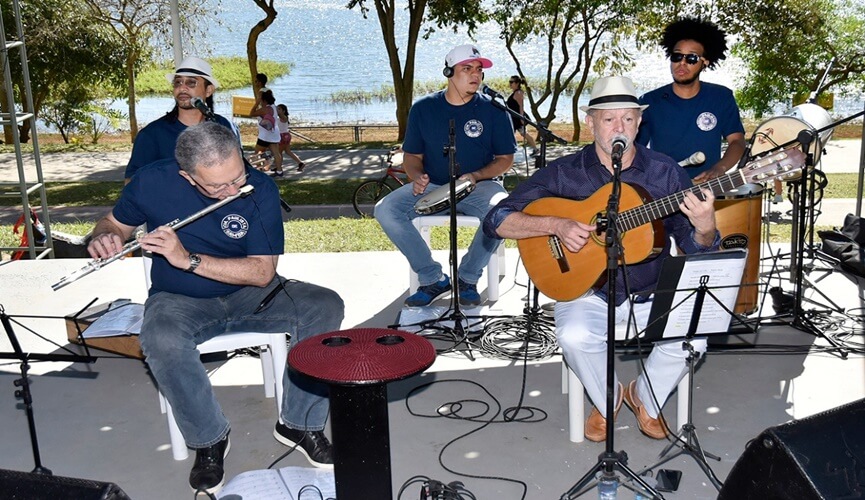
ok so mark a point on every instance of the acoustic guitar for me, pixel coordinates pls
(564, 275)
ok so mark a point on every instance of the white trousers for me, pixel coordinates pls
(581, 330)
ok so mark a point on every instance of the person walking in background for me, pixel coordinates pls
(515, 102)
(192, 79)
(268, 132)
(282, 122)
(688, 115)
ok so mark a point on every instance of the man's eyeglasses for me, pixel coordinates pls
(218, 189)
(514, 81)
(189, 83)
(689, 58)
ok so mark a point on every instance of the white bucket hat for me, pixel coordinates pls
(613, 92)
(194, 66)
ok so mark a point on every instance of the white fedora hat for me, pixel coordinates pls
(194, 66)
(613, 92)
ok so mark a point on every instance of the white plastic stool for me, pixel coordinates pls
(274, 354)
(572, 386)
(495, 267)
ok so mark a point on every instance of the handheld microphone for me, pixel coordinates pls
(620, 144)
(490, 92)
(694, 159)
(202, 106)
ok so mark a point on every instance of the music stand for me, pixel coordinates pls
(24, 382)
(679, 311)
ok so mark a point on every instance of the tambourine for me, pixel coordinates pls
(439, 198)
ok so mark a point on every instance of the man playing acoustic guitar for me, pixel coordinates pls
(613, 114)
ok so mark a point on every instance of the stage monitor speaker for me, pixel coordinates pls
(819, 457)
(16, 485)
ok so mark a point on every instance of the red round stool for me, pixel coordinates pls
(357, 364)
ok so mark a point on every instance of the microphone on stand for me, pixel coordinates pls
(620, 144)
(694, 159)
(202, 106)
(490, 92)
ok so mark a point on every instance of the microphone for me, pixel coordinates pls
(620, 144)
(694, 159)
(201, 106)
(490, 92)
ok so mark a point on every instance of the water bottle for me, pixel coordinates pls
(607, 487)
(647, 477)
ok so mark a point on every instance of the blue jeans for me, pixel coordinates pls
(175, 324)
(395, 214)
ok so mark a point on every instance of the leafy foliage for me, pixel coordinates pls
(65, 50)
(787, 46)
(581, 37)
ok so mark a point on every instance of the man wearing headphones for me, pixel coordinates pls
(688, 115)
(484, 151)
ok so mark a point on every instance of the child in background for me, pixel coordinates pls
(282, 123)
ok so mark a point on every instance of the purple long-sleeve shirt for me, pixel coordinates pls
(580, 175)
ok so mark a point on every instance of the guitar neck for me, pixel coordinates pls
(643, 214)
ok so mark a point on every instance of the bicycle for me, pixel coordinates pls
(370, 192)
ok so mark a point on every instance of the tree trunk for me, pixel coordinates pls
(130, 78)
(403, 79)
(252, 41)
(575, 112)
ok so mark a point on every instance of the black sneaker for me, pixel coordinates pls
(313, 444)
(207, 473)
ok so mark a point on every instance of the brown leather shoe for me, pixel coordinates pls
(655, 428)
(596, 425)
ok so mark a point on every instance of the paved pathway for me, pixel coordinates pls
(841, 156)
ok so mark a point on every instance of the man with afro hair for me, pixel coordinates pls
(688, 115)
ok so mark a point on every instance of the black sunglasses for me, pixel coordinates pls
(689, 58)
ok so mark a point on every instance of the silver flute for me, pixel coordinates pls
(97, 264)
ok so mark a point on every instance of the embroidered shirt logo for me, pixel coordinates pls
(234, 226)
(473, 128)
(706, 121)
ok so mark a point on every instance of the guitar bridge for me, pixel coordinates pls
(558, 253)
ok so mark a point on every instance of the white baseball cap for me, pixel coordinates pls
(465, 53)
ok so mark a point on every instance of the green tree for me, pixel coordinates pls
(140, 24)
(449, 14)
(787, 46)
(65, 49)
(581, 38)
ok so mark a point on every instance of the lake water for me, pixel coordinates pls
(332, 48)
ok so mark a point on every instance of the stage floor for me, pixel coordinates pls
(102, 421)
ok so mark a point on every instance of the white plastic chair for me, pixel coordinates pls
(495, 267)
(274, 353)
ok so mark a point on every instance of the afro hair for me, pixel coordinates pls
(705, 33)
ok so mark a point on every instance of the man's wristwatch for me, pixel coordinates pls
(194, 261)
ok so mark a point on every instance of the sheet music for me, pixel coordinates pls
(123, 318)
(721, 272)
(282, 484)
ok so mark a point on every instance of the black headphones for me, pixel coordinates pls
(447, 71)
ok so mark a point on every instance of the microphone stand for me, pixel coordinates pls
(545, 134)
(532, 308)
(609, 460)
(459, 332)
